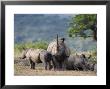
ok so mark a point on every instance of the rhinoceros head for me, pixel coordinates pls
(23, 54)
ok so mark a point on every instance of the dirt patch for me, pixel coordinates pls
(21, 70)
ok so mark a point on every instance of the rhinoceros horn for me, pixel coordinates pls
(57, 43)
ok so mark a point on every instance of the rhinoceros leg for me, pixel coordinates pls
(60, 65)
(64, 64)
(45, 64)
(50, 66)
(57, 65)
(32, 64)
(54, 62)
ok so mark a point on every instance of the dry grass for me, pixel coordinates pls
(20, 70)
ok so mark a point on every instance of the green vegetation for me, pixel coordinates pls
(80, 23)
(18, 47)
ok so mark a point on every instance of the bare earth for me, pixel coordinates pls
(21, 70)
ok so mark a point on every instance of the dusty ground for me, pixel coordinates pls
(22, 68)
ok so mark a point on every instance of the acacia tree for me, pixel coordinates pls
(81, 23)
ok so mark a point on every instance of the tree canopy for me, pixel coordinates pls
(81, 23)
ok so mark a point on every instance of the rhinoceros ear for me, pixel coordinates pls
(83, 55)
(63, 39)
(89, 56)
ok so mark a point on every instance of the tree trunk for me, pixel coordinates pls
(94, 29)
(95, 35)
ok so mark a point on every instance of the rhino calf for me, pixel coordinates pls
(37, 56)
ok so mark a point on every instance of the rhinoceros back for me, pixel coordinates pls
(33, 54)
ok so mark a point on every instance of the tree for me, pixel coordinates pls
(80, 23)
